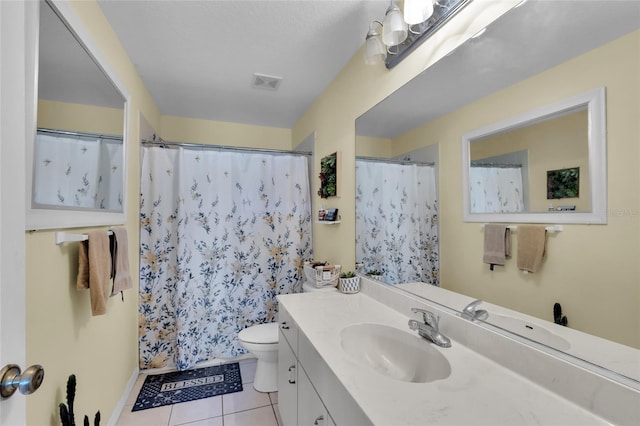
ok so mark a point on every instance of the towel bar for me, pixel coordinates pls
(68, 237)
(553, 228)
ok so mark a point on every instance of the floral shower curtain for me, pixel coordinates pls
(221, 234)
(496, 189)
(73, 172)
(397, 221)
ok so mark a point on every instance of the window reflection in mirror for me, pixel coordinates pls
(78, 156)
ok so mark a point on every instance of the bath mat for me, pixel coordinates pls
(189, 385)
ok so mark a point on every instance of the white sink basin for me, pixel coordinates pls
(394, 353)
(530, 331)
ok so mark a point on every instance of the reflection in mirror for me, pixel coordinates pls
(545, 166)
(77, 169)
(500, 176)
(513, 50)
(397, 219)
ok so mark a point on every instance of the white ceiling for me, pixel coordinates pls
(197, 58)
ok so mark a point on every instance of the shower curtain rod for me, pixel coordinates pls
(498, 166)
(163, 144)
(390, 161)
(80, 134)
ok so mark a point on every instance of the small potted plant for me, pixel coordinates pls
(349, 282)
(375, 275)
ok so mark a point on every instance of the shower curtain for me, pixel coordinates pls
(397, 221)
(73, 172)
(496, 189)
(221, 234)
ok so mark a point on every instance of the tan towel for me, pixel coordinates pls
(120, 258)
(497, 244)
(531, 247)
(94, 270)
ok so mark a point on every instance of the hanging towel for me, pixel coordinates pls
(531, 247)
(120, 258)
(94, 270)
(497, 244)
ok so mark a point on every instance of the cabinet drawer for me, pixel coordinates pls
(288, 328)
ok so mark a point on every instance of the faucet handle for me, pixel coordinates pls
(428, 317)
(469, 312)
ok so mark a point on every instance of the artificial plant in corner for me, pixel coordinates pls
(67, 416)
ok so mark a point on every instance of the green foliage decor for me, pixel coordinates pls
(349, 274)
(328, 178)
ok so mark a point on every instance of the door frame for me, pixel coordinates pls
(18, 62)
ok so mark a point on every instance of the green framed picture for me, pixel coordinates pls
(563, 183)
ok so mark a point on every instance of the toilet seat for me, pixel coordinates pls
(260, 333)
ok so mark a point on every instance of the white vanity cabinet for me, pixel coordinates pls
(305, 383)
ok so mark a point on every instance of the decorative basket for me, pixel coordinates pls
(349, 285)
(321, 276)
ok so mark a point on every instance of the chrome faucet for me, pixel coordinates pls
(429, 328)
(470, 312)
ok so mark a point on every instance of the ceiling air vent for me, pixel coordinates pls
(269, 82)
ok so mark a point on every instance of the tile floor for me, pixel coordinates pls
(245, 408)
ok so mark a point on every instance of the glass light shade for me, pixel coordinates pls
(375, 51)
(417, 11)
(394, 29)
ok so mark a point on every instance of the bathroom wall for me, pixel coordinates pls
(81, 118)
(61, 334)
(181, 129)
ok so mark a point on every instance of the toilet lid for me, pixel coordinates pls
(260, 333)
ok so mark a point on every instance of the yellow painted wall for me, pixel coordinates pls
(192, 130)
(373, 147)
(61, 334)
(81, 118)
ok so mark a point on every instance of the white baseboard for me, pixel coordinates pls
(117, 411)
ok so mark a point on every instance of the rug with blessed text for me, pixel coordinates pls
(189, 385)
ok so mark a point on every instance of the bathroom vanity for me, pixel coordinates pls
(352, 359)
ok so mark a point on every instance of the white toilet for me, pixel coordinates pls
(261, 340)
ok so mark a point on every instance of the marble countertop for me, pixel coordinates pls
(478, 391)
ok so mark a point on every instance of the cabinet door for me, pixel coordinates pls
(287, 383)
(311, 410)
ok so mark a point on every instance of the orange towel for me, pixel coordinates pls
(120, 259)
(497, 244)
(531, 247)
(94, 270)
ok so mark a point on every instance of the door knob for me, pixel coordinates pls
(11, 378)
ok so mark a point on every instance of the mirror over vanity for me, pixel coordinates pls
(544, 96)
(76, 172)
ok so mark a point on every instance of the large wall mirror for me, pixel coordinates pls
(532, 38)
(76, 169)
(548, 165)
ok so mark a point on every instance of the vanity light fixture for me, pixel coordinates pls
(402, 30)
(394, 29)
(417, 11)
(375, 50)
